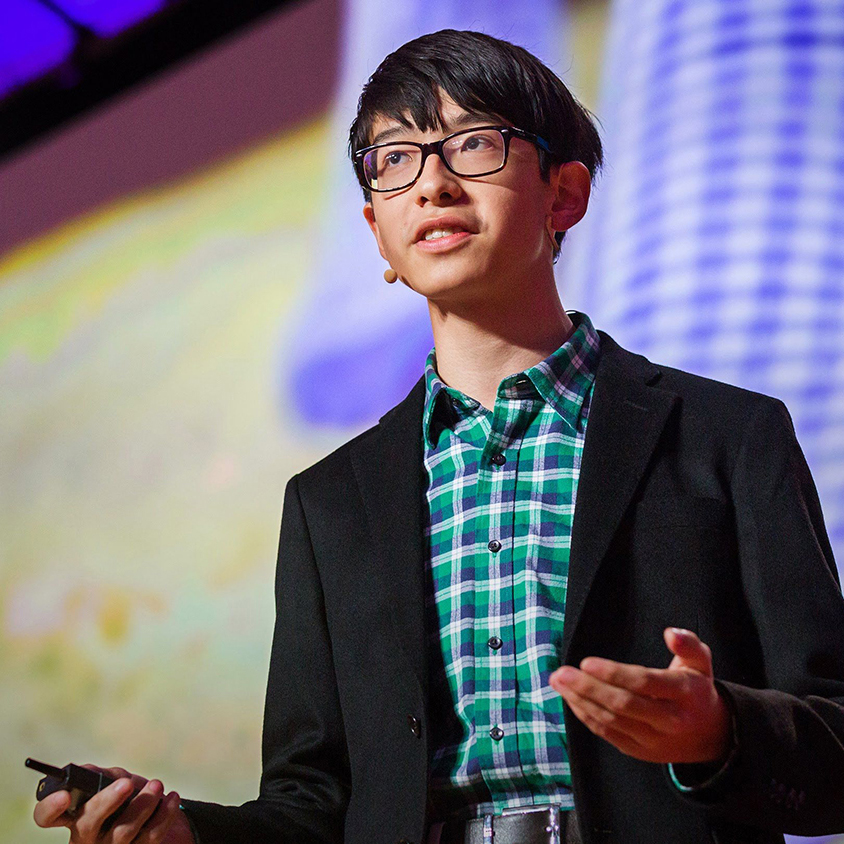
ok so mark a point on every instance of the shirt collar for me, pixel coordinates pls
(562, 380)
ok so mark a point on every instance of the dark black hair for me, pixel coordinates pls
(483, 75)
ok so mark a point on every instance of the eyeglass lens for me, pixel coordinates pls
(474, 152)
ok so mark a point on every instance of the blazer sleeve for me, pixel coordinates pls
(786, 773)
(305, 781)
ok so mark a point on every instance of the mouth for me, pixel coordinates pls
(438, 233)
(441, 235)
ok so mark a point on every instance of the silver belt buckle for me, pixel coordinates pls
(554, 819)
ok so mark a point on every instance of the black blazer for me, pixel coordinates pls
(695, 509)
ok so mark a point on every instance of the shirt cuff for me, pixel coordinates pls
(701, 777)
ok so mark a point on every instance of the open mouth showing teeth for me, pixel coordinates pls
(435, 234)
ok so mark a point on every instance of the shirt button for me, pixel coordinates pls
(415, 726)
(495, 643)
(499, 459)
(494, 546)
(496, 734)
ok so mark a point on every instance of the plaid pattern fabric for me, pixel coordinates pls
(501, 494)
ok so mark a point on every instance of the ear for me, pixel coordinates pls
(369, 216)
(572, 184)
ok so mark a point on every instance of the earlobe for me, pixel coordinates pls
(572, 183)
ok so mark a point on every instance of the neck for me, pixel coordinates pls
(482, 342)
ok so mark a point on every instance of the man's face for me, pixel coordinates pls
(499, 223)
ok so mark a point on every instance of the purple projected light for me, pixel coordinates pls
(108, 17)
(32, 42)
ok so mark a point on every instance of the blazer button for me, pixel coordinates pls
(415, 726)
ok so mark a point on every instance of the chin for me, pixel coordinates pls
(447, 277)
(450, 289)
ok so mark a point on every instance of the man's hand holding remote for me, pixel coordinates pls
(150, 818)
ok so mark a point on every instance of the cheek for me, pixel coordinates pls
(521, 221)
(386, 223)
(389, 242)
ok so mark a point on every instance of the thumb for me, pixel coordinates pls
(689, 652)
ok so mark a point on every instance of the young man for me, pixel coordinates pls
(477, 597)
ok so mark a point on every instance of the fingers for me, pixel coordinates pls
(50, 811)
(138, 782)
(93, 814)
(625, 709)
(163, 819)
(605, 709)
(690, 652)
(148, 816)
(590, 705)
(650, 682)
(616, 729)
(114, 815)
(114, 773)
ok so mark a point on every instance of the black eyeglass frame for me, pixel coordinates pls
(436, 148)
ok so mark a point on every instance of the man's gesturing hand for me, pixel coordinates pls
(150, 818)
(673, 714)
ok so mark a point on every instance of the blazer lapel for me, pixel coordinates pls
(389, 469)
(626, 419)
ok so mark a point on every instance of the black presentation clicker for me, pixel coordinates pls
(80, 782)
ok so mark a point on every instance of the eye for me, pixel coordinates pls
(394, 159)
(476, 143)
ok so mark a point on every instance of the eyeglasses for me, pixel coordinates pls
(470, 152)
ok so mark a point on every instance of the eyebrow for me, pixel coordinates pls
(466, 119)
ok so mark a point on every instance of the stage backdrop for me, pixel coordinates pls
(191, 310)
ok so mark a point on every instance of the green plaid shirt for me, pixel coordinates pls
(501, 489)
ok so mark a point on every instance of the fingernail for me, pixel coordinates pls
(123, 786)
(679, 631)
(565, 674)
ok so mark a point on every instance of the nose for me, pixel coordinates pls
(436, 183)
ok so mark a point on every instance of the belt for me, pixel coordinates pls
(528, 825)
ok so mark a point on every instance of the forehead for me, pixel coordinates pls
(453, 116)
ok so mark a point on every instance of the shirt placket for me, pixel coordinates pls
(529, 492)
(495, 641)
